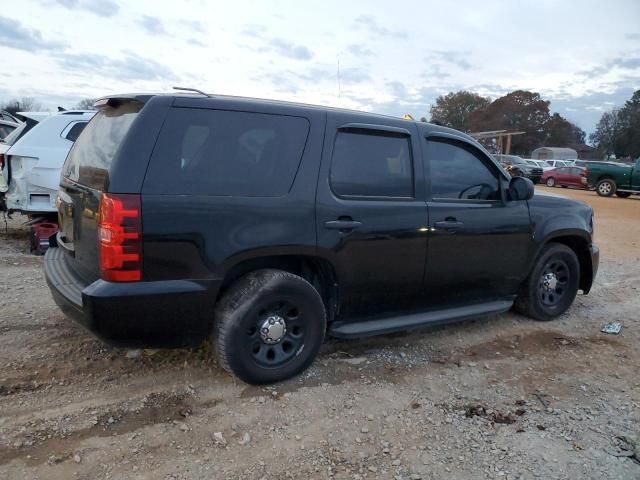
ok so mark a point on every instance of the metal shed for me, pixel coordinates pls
(554, 153)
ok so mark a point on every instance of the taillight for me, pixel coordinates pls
(1, 161)
(120, 238)
(585, 172)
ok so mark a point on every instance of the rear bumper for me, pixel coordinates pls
(168, 313)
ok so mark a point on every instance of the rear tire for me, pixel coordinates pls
(269, 326)
(552, 285)
(606, 187)
(623, 194)
(551, 182)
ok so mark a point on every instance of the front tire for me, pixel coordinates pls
(551, 182)
(269, 326)
(552, 285)
(606, 187)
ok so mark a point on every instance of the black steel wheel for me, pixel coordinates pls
(552, 285)
(269, 326)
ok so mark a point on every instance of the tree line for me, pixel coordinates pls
(29, 104)
(521, 111)
(618, 131)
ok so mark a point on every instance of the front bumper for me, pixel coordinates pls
(161, 314)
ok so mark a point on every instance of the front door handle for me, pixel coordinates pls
(449, 226)
(342, 224)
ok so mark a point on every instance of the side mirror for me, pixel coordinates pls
(521, 188)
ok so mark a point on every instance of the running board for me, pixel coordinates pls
(408, 322)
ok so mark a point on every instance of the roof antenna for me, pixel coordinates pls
(188, 89)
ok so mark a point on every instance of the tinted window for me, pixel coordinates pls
(90, 157)
(215, 152)
(75, 131)
(457, 172)
(372, 164)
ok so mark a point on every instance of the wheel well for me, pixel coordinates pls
(605, 177)
(317, 271)
(580, 247)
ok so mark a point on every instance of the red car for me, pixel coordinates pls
(565, 177)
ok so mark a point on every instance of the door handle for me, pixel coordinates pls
(342, 224)
(449, 225)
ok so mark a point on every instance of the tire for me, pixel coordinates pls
(606, 187)
(623, 194)
(287, 302)
(545, 302)
(551, 182)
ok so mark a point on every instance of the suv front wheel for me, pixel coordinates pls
(552, 285)
(269, 326)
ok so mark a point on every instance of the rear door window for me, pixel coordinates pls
(372, 164)
(227, 153)
(90, 157)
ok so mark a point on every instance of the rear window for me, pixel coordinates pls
(216, 152)
(90, 157)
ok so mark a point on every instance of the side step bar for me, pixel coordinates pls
(408, 322)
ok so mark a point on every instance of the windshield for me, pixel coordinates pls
(517, 160)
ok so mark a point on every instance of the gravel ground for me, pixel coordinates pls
(503, 397)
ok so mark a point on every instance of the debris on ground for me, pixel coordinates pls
(613, 328)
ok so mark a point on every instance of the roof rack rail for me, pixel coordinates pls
(188, 89)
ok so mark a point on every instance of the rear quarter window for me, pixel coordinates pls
(226, 153)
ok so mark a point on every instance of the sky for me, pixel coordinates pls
(380, 56)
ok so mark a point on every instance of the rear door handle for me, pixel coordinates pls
(449, 226)
(342, 224)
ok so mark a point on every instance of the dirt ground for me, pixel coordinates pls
(503, 397)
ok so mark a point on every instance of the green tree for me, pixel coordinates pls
(628, 141)
(561, 132)
(521, 111)
(453, 109)
(607, 132)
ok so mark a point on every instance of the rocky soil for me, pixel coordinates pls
(502, 397)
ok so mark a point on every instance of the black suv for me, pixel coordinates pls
(264, 226)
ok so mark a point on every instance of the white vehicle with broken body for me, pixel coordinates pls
(31, 166)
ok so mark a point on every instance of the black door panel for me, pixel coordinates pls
(479, 243)
(377, 243)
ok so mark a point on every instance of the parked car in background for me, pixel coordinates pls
(7, 117)
(559, 163)
(31, 164)
(6, 127)
(539, 163)
(29, 120)
(565, 177)
(518, 167)
(264, 226)
(611, 178)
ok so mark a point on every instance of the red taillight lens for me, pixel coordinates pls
(585, 172)
(1, 161)
(120, 238)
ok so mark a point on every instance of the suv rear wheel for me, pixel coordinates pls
(552, 285)
(269, 326)
(606, 187)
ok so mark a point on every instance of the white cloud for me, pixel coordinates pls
(391, 60)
